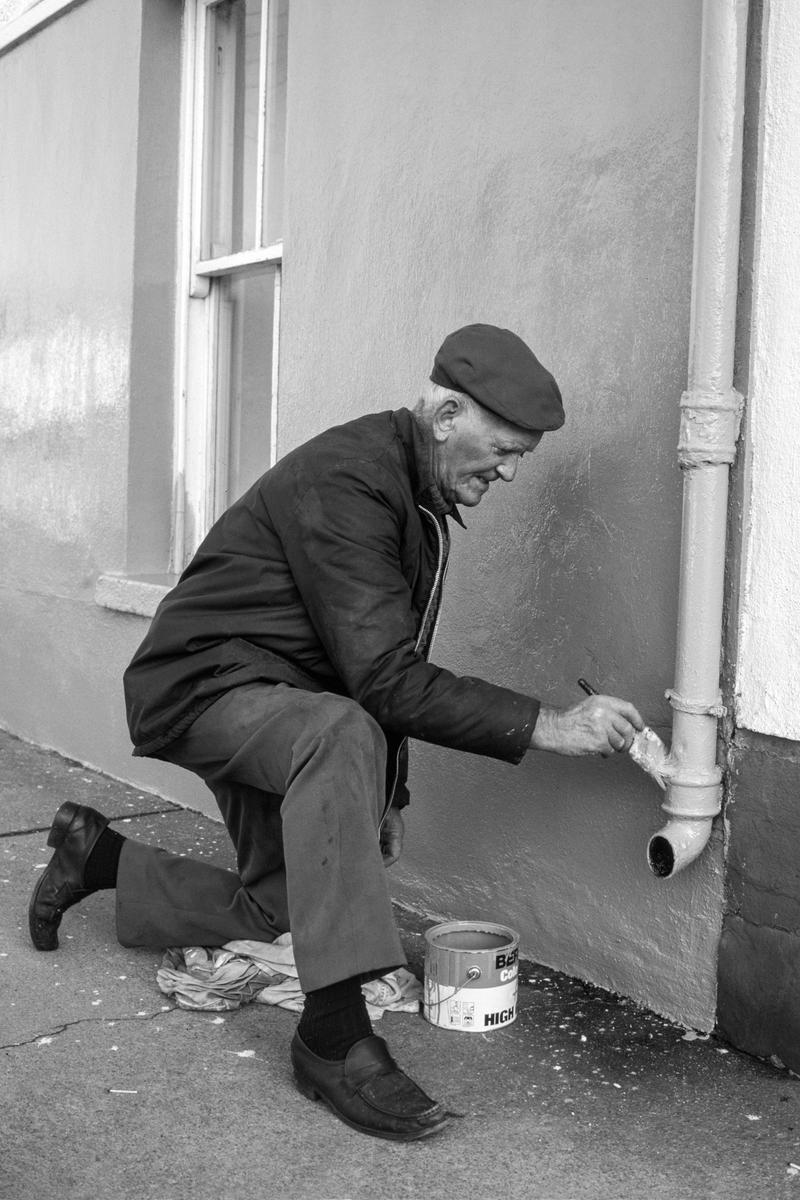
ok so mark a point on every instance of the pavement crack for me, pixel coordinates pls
(57, 1030)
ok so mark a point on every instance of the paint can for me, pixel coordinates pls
(471, 973)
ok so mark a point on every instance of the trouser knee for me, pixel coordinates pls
(348, 729)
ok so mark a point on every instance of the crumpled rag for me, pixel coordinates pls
(240, 972)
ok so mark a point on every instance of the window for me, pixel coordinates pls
(234, 120)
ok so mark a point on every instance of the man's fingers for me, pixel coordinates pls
(620, 722)
(391, 847)
(625, 722)
(392, 837)
(390, 851)
(622, 734)
(627, 712)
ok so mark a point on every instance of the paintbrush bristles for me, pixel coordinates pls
(649, 752)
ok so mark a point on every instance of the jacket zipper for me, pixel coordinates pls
(438, 581)
(438, 584)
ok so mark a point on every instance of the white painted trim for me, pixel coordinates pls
(183, 292)
(132, 594)
(258, 231)
(30, 22)
(229, 263)
(276, 341)
(194, 146)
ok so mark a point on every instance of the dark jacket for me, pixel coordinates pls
(327, 575)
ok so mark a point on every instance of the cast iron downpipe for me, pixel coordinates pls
(710, 417)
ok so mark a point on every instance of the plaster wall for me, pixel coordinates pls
(523, 162)
(69, 144)
(66, 198)
(529, 164)
(769, 636)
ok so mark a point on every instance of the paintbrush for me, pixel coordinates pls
(647, 749)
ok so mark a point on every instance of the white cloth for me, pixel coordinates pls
(222, 979)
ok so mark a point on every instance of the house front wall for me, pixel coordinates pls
(522, 162)
(67, 193)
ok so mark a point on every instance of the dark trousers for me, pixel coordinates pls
(300, 781)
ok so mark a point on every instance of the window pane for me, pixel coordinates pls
(276, 119)
(245, 378)
(231, 144)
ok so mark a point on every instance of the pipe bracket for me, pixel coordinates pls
(699, 708)
(710, 425)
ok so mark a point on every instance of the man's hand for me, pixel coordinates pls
(596, 725)
(392, 832)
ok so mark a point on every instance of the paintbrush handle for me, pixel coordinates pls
(587, 687)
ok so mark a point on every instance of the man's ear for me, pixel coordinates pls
(445, 416)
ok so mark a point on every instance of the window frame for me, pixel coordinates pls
(202, 407)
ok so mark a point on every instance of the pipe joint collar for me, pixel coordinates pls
(699, 708)
(710, 424)
(692, 802)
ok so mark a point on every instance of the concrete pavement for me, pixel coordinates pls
(109, 1090)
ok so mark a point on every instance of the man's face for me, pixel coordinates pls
(476, 448)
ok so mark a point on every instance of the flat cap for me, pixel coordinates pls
(497, 369)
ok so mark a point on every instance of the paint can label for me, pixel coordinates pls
(473, 1010)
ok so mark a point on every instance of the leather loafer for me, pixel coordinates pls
(368, 1091)
(74, 832)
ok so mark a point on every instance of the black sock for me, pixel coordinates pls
(101, 865)
(334, 1019)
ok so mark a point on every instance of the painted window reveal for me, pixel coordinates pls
(234, 121)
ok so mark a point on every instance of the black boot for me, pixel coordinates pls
(74, 833)
(368, 1091)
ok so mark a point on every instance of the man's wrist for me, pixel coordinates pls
(545, 731)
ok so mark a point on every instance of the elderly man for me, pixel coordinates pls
(287, 668)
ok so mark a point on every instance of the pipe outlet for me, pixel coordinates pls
(679, 843)
(693, 800)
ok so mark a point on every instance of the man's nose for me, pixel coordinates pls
(508, 469)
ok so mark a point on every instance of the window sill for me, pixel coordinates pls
(139, 594)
